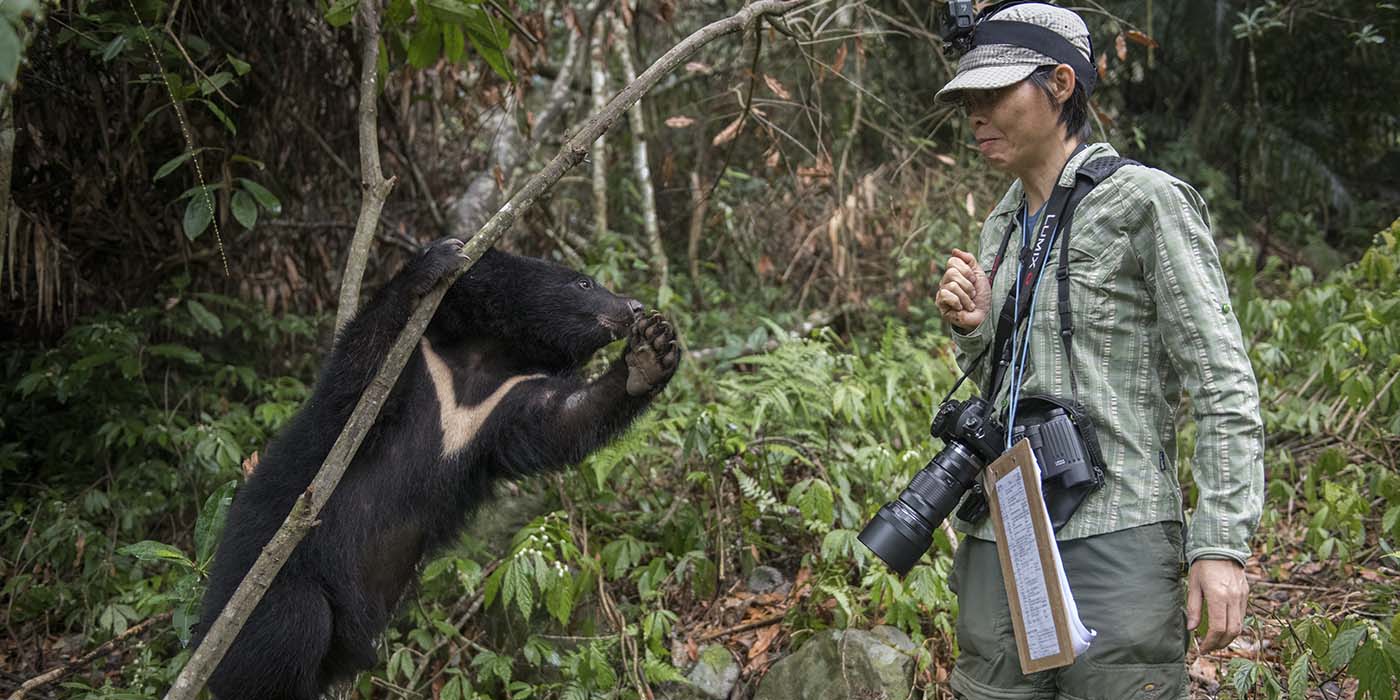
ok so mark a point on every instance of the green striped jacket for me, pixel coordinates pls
(1151, 317)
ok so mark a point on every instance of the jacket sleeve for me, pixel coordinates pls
(969, 345)
(1203, 341)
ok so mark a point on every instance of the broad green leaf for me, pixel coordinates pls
(221, 116)
(456, 688)
(1243, 673)
(265, 198)
(112, 620)
(176, 352)
(199, 213)
(239, 66)
(455, 9)
(454, 43)
(341, 12)
(91, 361)
(173, 163)
(204, 317)
(150, 550)
(1298, 677)
(184, 618)
(426, 45)
(211, 521)
(240, 158)
(113, 48)
(215, 82)
(490, 40)
(574, 691)
(1344, 646)
(245, 209)
(559, 598)
(1372, 671)
(398, 12)
(200, 189)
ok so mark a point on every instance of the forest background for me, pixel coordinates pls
(179, 183)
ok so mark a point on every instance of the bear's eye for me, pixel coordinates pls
(585, 284)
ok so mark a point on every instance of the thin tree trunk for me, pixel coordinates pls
(303, 514)
(372, 181)
(7, 154)
(598, 65)
(659, 267)
(699, 206)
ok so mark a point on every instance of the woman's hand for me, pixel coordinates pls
(965, 296)
(1222, 586)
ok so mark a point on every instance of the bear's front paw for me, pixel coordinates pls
(438, 259)
(651, 355)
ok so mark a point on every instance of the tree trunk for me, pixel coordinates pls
(659, 267)
(598, 65)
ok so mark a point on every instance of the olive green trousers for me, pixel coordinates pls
(1129, 588)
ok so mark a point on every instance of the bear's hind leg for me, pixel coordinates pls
(352, 650)
(279, 652)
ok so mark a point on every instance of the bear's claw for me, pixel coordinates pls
(652, 355)
(438, 259)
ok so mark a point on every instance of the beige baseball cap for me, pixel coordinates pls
(998, 65)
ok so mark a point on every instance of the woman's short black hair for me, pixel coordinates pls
(1074, 113)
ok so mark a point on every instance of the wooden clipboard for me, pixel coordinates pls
(1019, 460)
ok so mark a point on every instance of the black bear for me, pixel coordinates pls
(492, 391)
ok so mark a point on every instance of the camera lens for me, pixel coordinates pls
(903, 529)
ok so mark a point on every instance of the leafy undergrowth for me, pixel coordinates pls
(641, 556)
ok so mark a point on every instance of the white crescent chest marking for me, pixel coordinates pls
(461, 423)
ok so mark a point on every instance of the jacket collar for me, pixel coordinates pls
(1012, 200)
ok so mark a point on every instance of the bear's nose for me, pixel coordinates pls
(636, 307)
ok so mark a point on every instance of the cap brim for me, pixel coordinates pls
(985, 78)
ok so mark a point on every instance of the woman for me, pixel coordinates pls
(1151, 317)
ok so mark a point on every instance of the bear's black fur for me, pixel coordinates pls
(491, 392)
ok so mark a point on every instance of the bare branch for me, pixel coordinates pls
(302, 516)
(375, 187)
(56, 674)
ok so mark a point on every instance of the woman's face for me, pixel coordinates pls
(1016, 127)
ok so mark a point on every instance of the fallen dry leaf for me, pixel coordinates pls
(765, 639)
(680, 121)
(1203, 669)
(729, 132)
(1139, 38)
(945, 159)
(971, 205)
(1120, 45)
(698, 67)
(776, 87)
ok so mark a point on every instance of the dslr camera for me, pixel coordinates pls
(1061, 437)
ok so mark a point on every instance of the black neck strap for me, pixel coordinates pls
(1018, 303)
(1041, 40)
